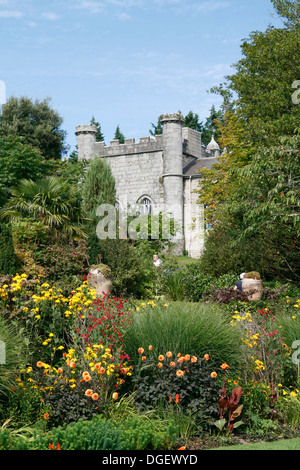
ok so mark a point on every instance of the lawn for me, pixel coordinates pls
(282, 444)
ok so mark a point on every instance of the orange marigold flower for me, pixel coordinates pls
(71, 364)
(97, 366)
(88, 392)
(213, 375)
(206, 357)
(95, 396)
(178, 355)
(225, 366)
(161, 357)
(46, 415)
(194, 359)
(150, 347)
(39, 364)
(60, 370)
(115, 395)
(140, 350)
(179, 373)
(172, 364)
(169, 354)
(187, 357)
(101, 370)
(144, 358)
(180, 360)
(159, 365)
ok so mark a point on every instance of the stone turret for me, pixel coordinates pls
(172, 168)
(213, 147)
(86, 139)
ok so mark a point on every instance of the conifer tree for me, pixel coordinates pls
(98, 187)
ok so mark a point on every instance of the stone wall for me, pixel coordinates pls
(155, 168)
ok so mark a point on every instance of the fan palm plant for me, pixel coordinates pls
(50, 201)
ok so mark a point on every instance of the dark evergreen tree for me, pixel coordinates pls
(99, 135)
(119, 136)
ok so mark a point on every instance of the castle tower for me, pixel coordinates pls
(172, 170)
(86, 138)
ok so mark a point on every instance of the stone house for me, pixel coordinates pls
(158, 173)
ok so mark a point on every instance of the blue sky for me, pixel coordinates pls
(124, 62)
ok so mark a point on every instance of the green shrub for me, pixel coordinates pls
(135, 433)
(184, 380)
(183, 328)
(8, 259)
(126, 264)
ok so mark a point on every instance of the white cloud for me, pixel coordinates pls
(10, 14)
(123, 16)
(91, 6)
(50, 16)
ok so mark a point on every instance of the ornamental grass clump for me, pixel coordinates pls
(183, 379)
(197, 328)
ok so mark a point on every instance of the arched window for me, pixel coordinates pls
(145, 206)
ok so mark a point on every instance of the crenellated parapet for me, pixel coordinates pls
(130, 146)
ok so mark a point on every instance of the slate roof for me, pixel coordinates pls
(191, 169)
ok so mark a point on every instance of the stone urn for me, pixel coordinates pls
(252, 283)
(99, 278)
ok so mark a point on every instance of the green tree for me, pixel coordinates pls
(99, 135)
(18, 161)
(289, 9)
(119, 136)
(252, 193)
(210, 126)
(263, 83)
(190, 120)
(37, 123)
(50, 201)
(98, 188)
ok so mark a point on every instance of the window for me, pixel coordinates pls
(146, 206)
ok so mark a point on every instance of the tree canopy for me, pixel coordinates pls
(37, 123)
(252, 193)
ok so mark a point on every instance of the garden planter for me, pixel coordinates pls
(99, 278)
(254, 287)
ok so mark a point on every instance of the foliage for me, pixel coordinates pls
(138, 433)
(126, 264)
(51, 201)
(81, 382)
(263, 83)
(218, 182)
(63, 261)
(36, 122)
(118, 135)
(9, 262)
(17, 161)
(184, 379)
(99, 135)
(198, 328)
(266, 352)
(12, 354)
(98, 188)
